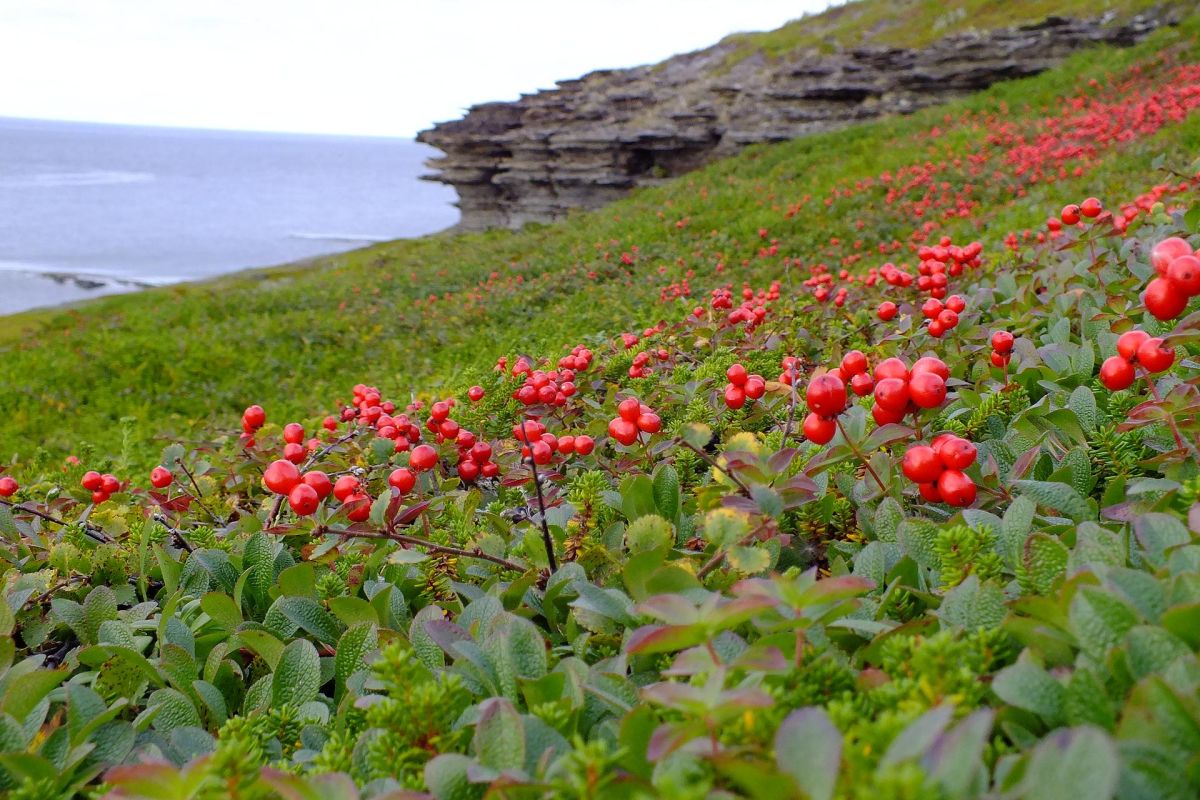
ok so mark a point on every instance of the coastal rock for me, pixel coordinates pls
(593, 139)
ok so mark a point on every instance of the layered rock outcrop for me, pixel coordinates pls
(591, 140)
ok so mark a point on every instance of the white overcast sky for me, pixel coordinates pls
(366, 67)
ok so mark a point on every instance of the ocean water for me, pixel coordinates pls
(95, 209)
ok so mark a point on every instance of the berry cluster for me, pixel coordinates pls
(826, 395)
(741, 386)
(540, 445)
(1002, 347)
(1072, 214)
(304, 492)
(547, 388)
(937, 469)
(1178, 278)
(101, 486)
(942, 317)
(633, 418)
(1135, 347)
(640, 366)
(900, 391)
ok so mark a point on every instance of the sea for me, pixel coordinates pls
(89, 209)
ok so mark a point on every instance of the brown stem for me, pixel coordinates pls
(537, 485)
(88, 528)
(427, 545)
(791, 417)
(198, 493)
(176, 534)
(1170, 418)
(859, 454)
(719, 556)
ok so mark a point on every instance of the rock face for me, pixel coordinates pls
(593, 139)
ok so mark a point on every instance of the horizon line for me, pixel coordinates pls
(5, 117)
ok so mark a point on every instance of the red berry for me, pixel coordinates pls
(293, 433)
(422, 457)
(281, 476)
(931, 364)
(1091, 208)
(948, 319)
(346, 486)
(91, 481)
(161, 477)
(566, 445)
(736, 374)
(100, 496)
(303, 499)
(254, 416)
(892, 394)
(1000, 359)
(475, 394)
(887, 310)
(956, 488)
(891, 368)
(956, 304)
(584, 445)
(1002, 342)
(957, 453)
(921, 464)
(541, 453)
(358, 507)
(8, 486)
(629, 409)
(649, 423)
(1129, 342)
(884, 416)
(818, 429)
(932, 308)
(1164, 300)
(1184, 272)
(755, 387)
(109, 484)
(862, 384)
(330, 423)
(927, 389)
(403, 480)
(468, 471)
(1116, 373)
(735, 396)
(1167, 251)
(854, 363)
(1154, 357)
(623, 430)
(294, 452)
(930, 492)
(1070, 214)
(439, 411)
(826, 395)
(319, 481)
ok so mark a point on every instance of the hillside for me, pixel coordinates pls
(851, 466)
(591, 140)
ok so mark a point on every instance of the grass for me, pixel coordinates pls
(184, 358)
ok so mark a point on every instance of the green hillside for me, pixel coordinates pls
(862, 466)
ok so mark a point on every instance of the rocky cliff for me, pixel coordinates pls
(593, 139)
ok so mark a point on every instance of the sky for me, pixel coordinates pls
(359, 67)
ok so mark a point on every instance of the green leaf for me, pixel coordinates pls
(1083, 402)
(697, 434)
(666, 491)
(352, 650)
(808, 747)
(222, 609)
(724, 527)
(171, 710)
(1099, 620)
(1028, 686)
(446, 776)
(649, 532)
(973, 605)
(637, 497)
(308, 614)
(353, 610)
(749, 559)
(888, 517)
(1056, 496)
(1073, 762)
(298, 581)
(499, 740)
(297, 677)
(1157, 533)
(25, 691)
(268, 647)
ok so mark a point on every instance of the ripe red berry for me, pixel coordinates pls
(319, 481)
(422, 457)
(281, 476)
(100, 496)
(735, 396)
(1091, 208)
(294, 452)
(854, 363)
(345, 486)
(826, 395)
(818, 429)
(887, 310)
(330, 423)
(475, 394)
(1164, 300)
(566, 445)
(956, 453)
(1129, 342)
(736, 374)
(1070, 214)
(1002, 342)
(358, 507)
(1000, 359)
(1154, 357)
(891, 368)
(623, 430)
(921, 464)
(8, 486)
(927, 389)
(303, 499)
(254, 417)
(468, 471)
(956, 489)
(649, 422)
(862, 384)
(293, 433)
(109, 484)
(629, 409)
(930, 492)
(1167, 251)
(584, 445)
(931, 364)
(883, 416)
(1116, 373)
(754, 388)
(161, 477)
(91, 481)
(402, 479)
(1184, 272)
(892, 394)
(956, 304)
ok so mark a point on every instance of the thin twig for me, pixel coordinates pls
(44, 596)
(719, 556)
(537, 485)
(88, 528)
(858, 453)
(199, 493)
(176, 534)
(791, 417)
(423, 543)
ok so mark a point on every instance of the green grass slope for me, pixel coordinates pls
(422, 316)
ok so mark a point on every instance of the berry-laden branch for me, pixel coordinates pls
(537, 485)
(88, 528)
(425, 544)
(313, 459)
